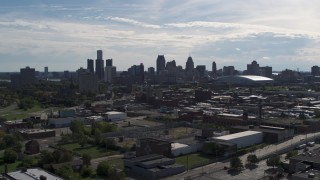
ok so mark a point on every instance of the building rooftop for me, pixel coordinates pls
(237, 135)
(114, 112)
(256, 78)
(32, 174)
(178, 145)
(313, 156)
(32, 131)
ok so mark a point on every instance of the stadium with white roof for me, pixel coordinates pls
(245, 80)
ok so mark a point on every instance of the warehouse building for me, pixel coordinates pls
(152, 166)
(242, 139)
(63, 122)
(115, 116)
(30, 174)
(37, 133)
(271, 134)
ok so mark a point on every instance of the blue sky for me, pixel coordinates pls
(62, 34)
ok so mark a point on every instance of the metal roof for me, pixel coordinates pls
(256, 78)
(237, 135)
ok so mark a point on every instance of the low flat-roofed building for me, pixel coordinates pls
(115, 116)
(178, 149)
(37, 133)
(242, 139)
(31, 174)
(305, 160)
(152, 166)
(63, 122)
(306, 175)
(14, 125)
(271, 134)
(147, 146)
(93, 119)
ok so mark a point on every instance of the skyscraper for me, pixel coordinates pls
(100, 65)
(189, 64)
(46, 71)
(99, 54)
(253, 68)
(161, 63)
(109, 62)
(100, 68)
(90, 65)
(137, 73)
(315, 70)
(214, 68)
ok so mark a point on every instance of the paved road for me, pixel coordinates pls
(261, 153)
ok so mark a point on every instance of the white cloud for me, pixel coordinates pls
(133, 22)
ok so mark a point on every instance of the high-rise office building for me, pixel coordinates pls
(90, 65)
(253, 68)
(27, 76)
(88, 82)
(99, 54)
(100, 68)
(315, 70)
(109, 62)
(214, 68)
(189, 64)
(110, 73)
(46, 70)
(161, 63)
(137, 73)
(201, 69)
(228, 70)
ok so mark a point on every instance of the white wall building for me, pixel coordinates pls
(242, 139)
(115, 116)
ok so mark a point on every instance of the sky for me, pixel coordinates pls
(63, 34)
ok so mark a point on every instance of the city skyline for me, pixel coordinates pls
(63, 35)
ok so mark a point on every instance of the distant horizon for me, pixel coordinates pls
(283, 34)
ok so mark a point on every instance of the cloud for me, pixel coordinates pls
(133, 22)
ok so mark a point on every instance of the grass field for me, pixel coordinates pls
(116, 162)
(13, 112)
(193, 160)
(94, 151)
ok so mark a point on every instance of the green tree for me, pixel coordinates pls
(103, 169)
(67, 173)
(86, 158)
(9, 140)
(10, 156)
(97, 136)
(57, 155)
(45, 158)
(86, 172)
(236, 163)
(291, 154)
(252, 159)
(273, 161)
(17, 147)
(76, 126)
(109, 143)
(82, 139)
(114, 174)
(27, 161)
